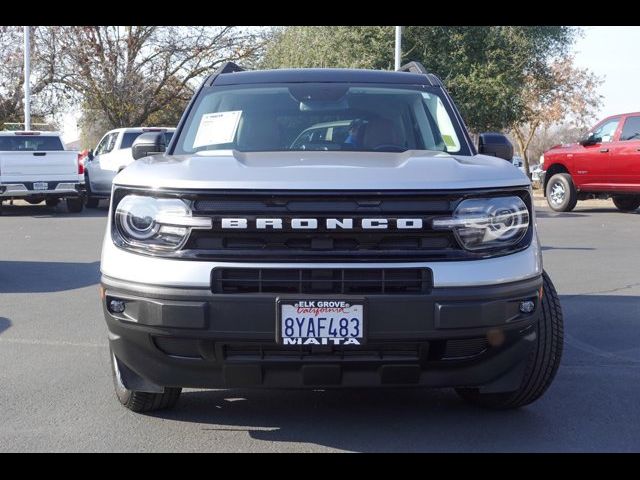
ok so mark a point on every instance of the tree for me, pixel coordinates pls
(484, 67)
(135, 73)
(329, 46)
(568, 95)
(12, 78)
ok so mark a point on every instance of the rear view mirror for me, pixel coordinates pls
(590, 140)
(148, 144)
(496, 145)
(90, 155)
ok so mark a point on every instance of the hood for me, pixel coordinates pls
(410, 170)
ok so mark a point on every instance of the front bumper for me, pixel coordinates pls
(450, 337)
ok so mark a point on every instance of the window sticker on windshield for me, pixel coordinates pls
(448, 140)
(217, 128)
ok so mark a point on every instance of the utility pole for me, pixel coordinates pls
(27, 83)
(398, 46)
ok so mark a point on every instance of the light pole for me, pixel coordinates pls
(398, 46)
(27, 84)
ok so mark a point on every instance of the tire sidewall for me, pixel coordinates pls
(566, 182)
(122, 392)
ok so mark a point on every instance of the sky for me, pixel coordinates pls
(612, 54)
(609, 52)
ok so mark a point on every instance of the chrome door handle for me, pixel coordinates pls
(604, 150)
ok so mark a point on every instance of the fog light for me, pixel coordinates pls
(117, 306)
(527, 306)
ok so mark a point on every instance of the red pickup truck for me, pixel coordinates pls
(605, 163)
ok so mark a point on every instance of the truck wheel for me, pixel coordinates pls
(561, 193)
(142, 401)
(543, 362)
(52, 202)
(92, 202)
(627, 203)
(74, 205)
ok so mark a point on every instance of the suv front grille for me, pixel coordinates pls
(342, 228)
(341, 244)
(353, 281)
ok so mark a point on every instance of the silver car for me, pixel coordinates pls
(112, 155)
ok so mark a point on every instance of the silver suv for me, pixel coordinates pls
(111, 155)
(393, 254)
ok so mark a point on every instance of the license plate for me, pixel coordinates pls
(320, 322)
(40, 186)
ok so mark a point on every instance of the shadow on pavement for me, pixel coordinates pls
(39, 277)
(390, 420)
(552, 214)
(5, 323)
(602, 328)
(42, 211)
(544, 248)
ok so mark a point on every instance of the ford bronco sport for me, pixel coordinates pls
(388, 254)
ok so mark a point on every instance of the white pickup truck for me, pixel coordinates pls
(34, 166)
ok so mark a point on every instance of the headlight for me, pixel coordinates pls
(481, 223)
(155, 223)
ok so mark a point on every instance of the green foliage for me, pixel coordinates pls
(484, 67)
(321, 46)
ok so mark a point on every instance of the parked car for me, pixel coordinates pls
(112, 154)
(35, 167)
(238, 257)
(322, 135)
(605, 163)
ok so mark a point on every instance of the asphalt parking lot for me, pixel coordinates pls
(56, 392)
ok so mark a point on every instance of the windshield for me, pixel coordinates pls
(320, 116)
(30, 143)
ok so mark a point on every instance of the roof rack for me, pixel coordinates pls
(226, 67)
(413, 67)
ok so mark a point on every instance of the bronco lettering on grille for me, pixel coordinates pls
(327, 223)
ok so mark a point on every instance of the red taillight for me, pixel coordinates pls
(80, 165)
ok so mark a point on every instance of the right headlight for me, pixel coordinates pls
(482, 223)
(160, 224)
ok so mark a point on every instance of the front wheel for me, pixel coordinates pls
(75, 205)
(561, 193)
(92, 202)
(543, 361)
(627, 203)
(141, 402)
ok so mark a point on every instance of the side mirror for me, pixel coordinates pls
(148, 144)
(90, 155)
(590, 140)
(495, 144)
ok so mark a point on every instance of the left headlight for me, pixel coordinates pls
(482, 223)
(155, 223)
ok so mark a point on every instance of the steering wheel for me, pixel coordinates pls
(389, 147)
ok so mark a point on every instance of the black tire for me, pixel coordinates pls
(542, 364)
(142, 402)
(627, 203)
(52, 202)
(75, 205)
(92, 202)
(561, 193)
